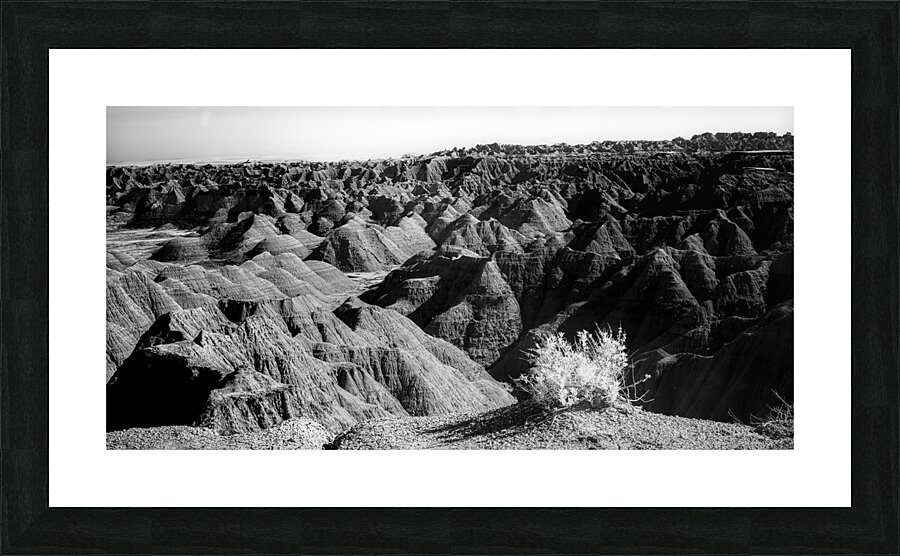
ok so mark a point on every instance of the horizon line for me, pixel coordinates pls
(293, 158)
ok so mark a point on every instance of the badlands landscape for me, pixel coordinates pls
(387, 304)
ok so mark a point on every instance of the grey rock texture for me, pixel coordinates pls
(247, 295)
(517, 428)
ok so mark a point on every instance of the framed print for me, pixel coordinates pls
(519, 281)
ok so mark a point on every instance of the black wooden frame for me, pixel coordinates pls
(29, 29)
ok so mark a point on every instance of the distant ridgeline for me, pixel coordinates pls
(254, 307)
(714, 142)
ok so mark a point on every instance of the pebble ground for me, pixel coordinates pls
(517, 427)
(294, 434)
(521, 428)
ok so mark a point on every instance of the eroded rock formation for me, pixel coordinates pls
(342, 292)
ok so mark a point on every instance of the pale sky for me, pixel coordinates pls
(155, 133)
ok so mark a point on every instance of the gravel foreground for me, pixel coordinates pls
(294, 434)
(521, 428)
(517, 427)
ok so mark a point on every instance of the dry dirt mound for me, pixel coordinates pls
(455, 295)
(360, 247)
(519, 427)
(276, 245)
(181, 249)
(266, 362)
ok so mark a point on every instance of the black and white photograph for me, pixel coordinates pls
(433, 278)
(532, 264)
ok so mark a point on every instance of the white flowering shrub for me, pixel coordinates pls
(589, 370)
